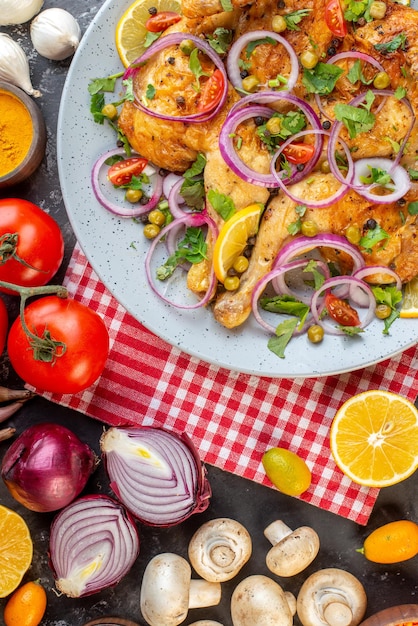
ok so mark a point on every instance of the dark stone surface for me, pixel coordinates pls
(253, 505)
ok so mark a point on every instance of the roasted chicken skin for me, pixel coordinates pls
(175, 145)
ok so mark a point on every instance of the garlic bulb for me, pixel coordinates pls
(14, 65)
(12, 12)
(55, 34)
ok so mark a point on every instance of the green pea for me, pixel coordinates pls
(382, 311)
(309, 228)
(315, 333)
(353, 234)
(110, 111)
(240, 264)
(309, 59)
(250, 83)
(231, 283)
(278, 24)
(156, 217)
(151, 231)
(381, 80)
(133, 195)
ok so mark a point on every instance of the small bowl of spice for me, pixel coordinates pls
(22, 135)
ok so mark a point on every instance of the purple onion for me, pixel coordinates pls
(94, 542)
(155, 473)
(46, 467)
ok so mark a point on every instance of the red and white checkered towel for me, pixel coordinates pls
(233, 418)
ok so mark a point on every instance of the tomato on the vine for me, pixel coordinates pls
(81, 339)
(299, 152)
(212, 92)
(4, 325)
(161, 20)
(340, 311)
(334, 18)
(31, 244)
(121, 172)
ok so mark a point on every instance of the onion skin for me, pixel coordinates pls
(46, 467)
(155, 473)
(94, 542)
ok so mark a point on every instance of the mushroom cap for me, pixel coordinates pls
(259, 600)
(206, 622)
(331, 596)
(219, 549)
(165, 586)
(292, 554)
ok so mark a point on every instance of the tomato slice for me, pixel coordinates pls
(340, 311)
(334, 18)
(212, 92)
(299, 152)
(121, 172)
(162, 20)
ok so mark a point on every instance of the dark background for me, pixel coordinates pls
(253, 505)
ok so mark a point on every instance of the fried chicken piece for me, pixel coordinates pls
(400, 251)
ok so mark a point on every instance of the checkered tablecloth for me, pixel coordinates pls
(231, 417)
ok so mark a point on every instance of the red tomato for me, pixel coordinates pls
(212, 92)
(340, 311)
(334, 18)
(299, 152)
(31, 244)
(4, 325)
(121, 172)
(81, 358)
(162, 20)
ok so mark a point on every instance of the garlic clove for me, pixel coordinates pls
(14, 65)
(12, 12)
(55, 34)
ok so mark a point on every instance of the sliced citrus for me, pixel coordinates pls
(130, 30)
(287, 471)
(16, 550)
(410, 299)
(233, 237)
(374, 438)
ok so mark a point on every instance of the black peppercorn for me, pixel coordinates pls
(326, 124)
(153, 10)
(259, 120)
(370, 224)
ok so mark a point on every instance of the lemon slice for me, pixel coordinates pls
(374, 438)
(233, 238)
(130, 30)
(16, 550)
(410, 299)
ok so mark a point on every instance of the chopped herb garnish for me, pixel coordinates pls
(290, 306)
(356, 119)
(150, 92)
(391, 297)
(377, 176)
(293, 19)
(400, 92)
(192, 248)
(394, 44)
(222, 204)
(193, 188)
(373, 237)
(150, 38)
(220, 40)
(355, 74)
(196, 67)
(356, 9)
(291, 123)
(227, 5)
(322, 78)
(413, 208)
(257, 42)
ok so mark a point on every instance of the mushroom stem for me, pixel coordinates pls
(277, 531)
(203, 594)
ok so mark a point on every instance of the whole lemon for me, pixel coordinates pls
(287, 471)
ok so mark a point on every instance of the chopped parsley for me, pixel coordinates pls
(193, 188)
(220, 40)
(357, 9)
(293, 19)
(356, 119)
(192, 248)
(291, 123)
(391, 297)
(222, 204)
(398, 42)
(322, 78)
(372, 237)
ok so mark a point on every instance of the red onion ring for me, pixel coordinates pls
(155, 473)
(251, 106)
(357, 295)
(232, 63)
(338, 281)
(171, 40)
(280, 285)
(188, 219)
(174, 199)
(116, 209)
(93, 543)
(302, 245)
(399, 175)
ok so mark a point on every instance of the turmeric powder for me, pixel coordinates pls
(16, 132)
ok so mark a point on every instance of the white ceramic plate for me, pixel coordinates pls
(107, 242)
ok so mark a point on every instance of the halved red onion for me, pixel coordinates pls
(400, 177)
(349, 282)
(120, 209)
(253, 106)
(302, 245)
(174, 39)
(188, 219)
(47, 466)
(155, 473)
(232, 63)
(94, 542)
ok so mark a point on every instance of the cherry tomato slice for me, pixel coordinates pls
(162, 20)
(340, 311)
(299, 152)
(212, 92)
(121, 172)
(334, 18)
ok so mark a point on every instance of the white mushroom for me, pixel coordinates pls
(206, 622)
(260, 601)
(219, 549)
(168, 592)
(331, 597)
(292, 551)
